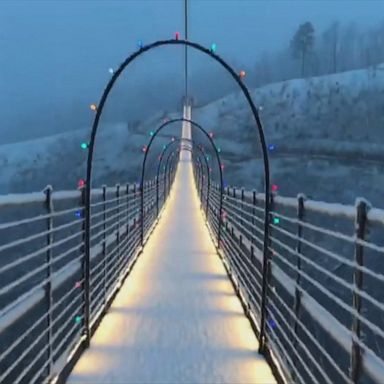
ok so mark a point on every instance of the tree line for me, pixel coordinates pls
(311, 53)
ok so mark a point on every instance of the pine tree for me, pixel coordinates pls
(302, 44)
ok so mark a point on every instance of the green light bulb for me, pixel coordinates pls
(78, 319)
(84, 145)
(213, 47)
(276, 220)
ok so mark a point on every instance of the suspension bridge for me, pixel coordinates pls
(178, 279)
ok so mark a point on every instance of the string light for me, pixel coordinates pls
(271, 147)
(177, 35)
(173, 139)
(219, 150)
(78, 284)
(275, 187)
(213, 47)
(139, 44)
(93, 107)
(222, 167)
(111, 71)
(84, 145)
(151, 133)
(81, 183)
(242, 74)
(78, 214)
(276, 220)
(78, 319)
(211, 134)
(144, 149)
(272, 323)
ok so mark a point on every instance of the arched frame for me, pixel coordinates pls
(206, 134)
(91, 147)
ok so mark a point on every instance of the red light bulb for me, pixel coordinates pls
(81, 183)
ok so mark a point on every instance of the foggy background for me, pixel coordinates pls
(55, 55)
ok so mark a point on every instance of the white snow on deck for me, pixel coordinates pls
(176, 318)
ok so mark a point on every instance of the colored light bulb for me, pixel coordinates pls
(210, 134)
(219, 150)
(81, 183)
(271, 147)
(144, 149)
(242, 74)
(177, 35)
(78, 319)
(272, 323)
(139, 44)
(84, 145)
(222, 166)
(275, 187)
(78, 214)
(151, 133)
(93, 107)
(78, 284)
(111, 71)
(213, 47)
(276, 220)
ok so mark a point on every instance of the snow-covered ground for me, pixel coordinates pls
(177, 318)
(327, 133)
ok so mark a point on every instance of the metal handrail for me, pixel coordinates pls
(313, 304)
(50, 290)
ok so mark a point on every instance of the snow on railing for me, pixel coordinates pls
(42, 270)
(324, 312)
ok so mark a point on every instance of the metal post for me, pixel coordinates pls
(254, 203)
(118, 226)
(266, 278)
(142, 198)
(360, 225)
(48, 287)
(105, 244)
(297, 298)
(86, 265)
(208, 192)
(242, 206)
(127, 209)
(157, 196)
(133, 205)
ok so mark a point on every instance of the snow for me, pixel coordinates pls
(176, 319)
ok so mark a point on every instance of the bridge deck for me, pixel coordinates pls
(176, 318)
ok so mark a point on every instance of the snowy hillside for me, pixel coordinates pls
(327, 132)
(58, 160)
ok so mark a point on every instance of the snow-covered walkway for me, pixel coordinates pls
(176, 319)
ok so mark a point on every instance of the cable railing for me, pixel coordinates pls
(42, 253)
(325, 281)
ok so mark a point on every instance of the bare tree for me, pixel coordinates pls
(331, 42)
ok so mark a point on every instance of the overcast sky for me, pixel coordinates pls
(55, 55)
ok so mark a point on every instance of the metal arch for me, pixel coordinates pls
(179, 140)
(95, 125)
(198, 126)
